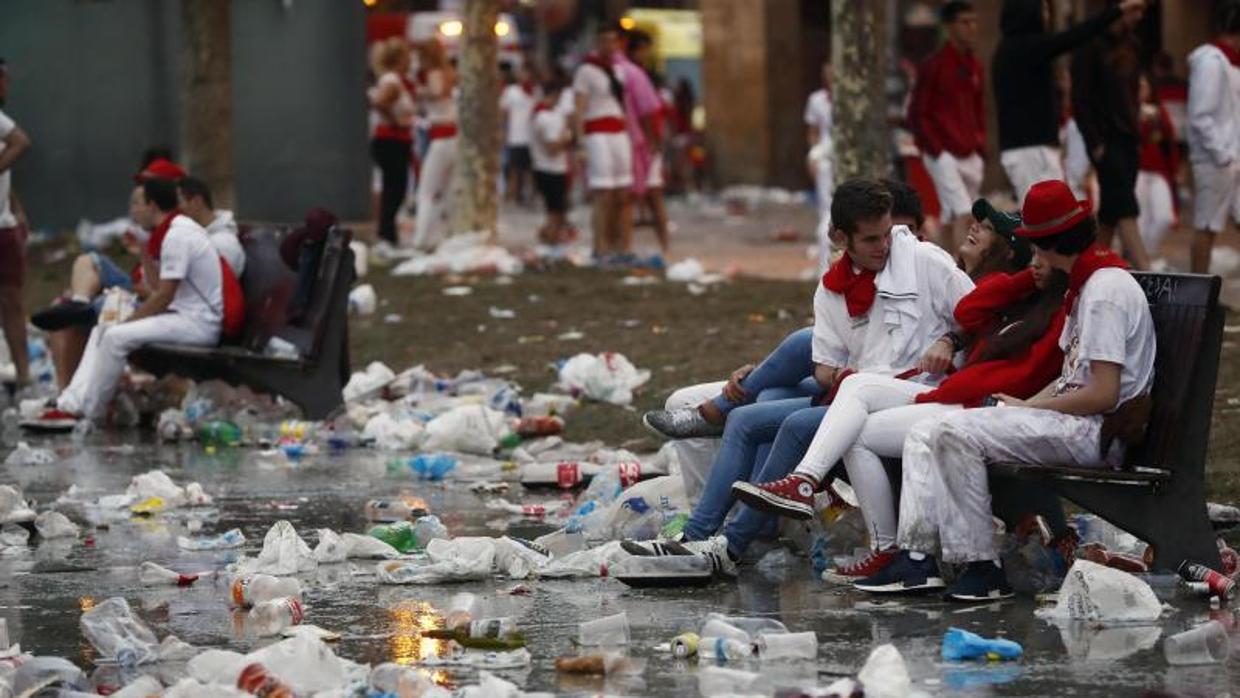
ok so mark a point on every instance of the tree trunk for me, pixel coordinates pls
(859, 61)
(477, 169)
(206, 96)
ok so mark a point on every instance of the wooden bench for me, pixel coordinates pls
(314, 379)
(1159, 496)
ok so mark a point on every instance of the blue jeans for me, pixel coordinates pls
(790, 369)
(748, 428)
(791, 442)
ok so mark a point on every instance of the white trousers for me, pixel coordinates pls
(434, 185)
(957, 182)
(1217, 195)
(609, 160)
(108, 348)
(1027, 166)
(945, 494)
(1157, 209)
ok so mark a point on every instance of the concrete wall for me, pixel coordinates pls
(96, 83)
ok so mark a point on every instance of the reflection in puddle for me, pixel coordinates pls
(1091, 644)
(409, 619)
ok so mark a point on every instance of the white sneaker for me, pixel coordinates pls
(715, 549)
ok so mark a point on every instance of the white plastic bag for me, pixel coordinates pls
(1103, 596)
(24, 455)
(284, 553)
(607, 377)
(468, 429)
(460, 559)
(392, 434)
(885, 674)
(376, 375)
(53, 524)
(13, 506)
(363, 300)
(117, 635)
(307, 665)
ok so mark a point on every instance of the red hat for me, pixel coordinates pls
(160, 168)
(1050, 208)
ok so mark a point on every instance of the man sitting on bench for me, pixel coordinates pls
(1109, 345)
(185, 307)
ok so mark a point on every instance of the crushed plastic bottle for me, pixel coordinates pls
(249, 590)
(217, 433)
(399, 535)
(117, 635)
(427, 529)
(151, 575)
(256, 680)
(272, 617)
(228, 539)
(392, 510)
(787, 645)
(432, 466)
(723, 649)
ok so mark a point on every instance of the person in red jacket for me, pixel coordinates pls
(947, 114)
(1014, 315)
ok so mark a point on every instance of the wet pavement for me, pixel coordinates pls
(43, 590)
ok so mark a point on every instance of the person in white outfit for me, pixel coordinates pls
(437, 81)
(185, 307)
(821, 159)
(600, 127)
(1214, 133)
(1109, 346)
(1159, 161)
(194, 200)
(516, 102)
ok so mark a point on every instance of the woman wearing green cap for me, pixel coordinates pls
(1014, 317)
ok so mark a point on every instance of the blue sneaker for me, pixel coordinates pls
(908, 573)
(981, 581)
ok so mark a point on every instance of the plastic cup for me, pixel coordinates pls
(1205, 644)
(788, 645)
(609, 630)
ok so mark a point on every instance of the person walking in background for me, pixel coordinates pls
(1026, 97)
(391, 99)
(821, 158)
(644, 110)
(600, 128)
(13, 230)
(517, 104)
(1105, 76)
(436, 82)
(948, 118)
(1214, 132)
(1159, 161)
(550, 139)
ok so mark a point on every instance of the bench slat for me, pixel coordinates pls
(1143, 478)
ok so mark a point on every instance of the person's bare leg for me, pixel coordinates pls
(1203, 245)
(624, 220)
(600, 227)
(659, 207)
(13, 314)
(1134, 246)
(1106, 234)
(84, 281)
(67, 347)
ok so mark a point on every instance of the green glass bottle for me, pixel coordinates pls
(219, 433)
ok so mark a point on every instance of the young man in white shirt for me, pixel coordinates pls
(1214, 133)
(821, 157)
(1109, 345)
(194, 198)
(185, 307)
(13, 143)
(601, 129)
(517, 104)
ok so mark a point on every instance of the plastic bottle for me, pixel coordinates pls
(229, 539)
(293, 430)
(428, 528)
(255, 679)
(220, 433)
(117, 636)
(961, 644)
(399, 535)
(432, 466)
(719, 628)
(462, 609)
(723, 649)
(270, 617)
(752, 626)
(787, 645)
(252, 589)
(492, 627)
(392, 510)
(152, 575)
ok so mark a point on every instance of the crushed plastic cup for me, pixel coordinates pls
(787, 645)
(151, 574)
(461, 610)
(249, 590)
(605, 631)
(1205, 644)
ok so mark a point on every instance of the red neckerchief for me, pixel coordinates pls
(156, 242)
(527, 86)
(1094, 257)
(1232, 54)
(541, 107)
(858, 289)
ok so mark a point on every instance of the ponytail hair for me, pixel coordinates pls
(1026, 321)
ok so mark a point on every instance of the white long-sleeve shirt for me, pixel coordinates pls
(1213, 107)
(883, 340)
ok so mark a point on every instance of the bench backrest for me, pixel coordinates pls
(335, 276)
(1189, 323)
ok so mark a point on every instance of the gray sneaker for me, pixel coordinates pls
(684, 423)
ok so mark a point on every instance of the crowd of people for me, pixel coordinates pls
(1102, 124)
(608, 122)
(1029, 346)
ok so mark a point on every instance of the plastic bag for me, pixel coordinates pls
(1103, 595)
(885, 674)
(334, 547)
(13, 506)
(363, 300)
(468, 429)
(607, 377)
(53, 524)
(392, 434)
(157, 484)
(457, 560)
(376, 375)
(284, 553)
(24, 455)
(307, 665)
(117, 636)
